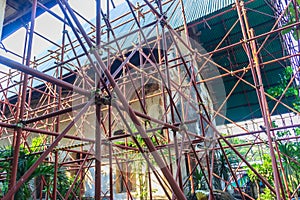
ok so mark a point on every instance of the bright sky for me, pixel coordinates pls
(48, 26)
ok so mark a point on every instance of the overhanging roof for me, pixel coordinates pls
(243, 102)
(18, 14)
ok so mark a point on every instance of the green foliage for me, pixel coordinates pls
(199, 180)
(267, 195)
(156, 138)
(289, 150)
(235, 141)
(291, 16)
(199, 184)
(297, 131)
(26, 159)
(292, 91)
(221, 167)
(290, 158)
(242, 150)
(277, 90)
(63, 184)
(37, 144)
(265, 169)
(281, 134)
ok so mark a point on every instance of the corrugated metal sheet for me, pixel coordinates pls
(197, 9)
(194, 10)
(243, 104)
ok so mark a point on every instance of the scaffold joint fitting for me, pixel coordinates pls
(93, 49)
(183, 127)
(102, 100)
(21, 124)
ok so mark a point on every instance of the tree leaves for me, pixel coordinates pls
(264, 168)
(291, 17)
(26, 160)
(292, 91)
(290, 155)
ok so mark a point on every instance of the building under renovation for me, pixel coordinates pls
(149, 99)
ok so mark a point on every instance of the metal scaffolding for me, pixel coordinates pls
(129, 89)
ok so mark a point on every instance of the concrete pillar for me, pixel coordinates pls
(2, 13)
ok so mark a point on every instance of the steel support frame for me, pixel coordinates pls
(176, 185)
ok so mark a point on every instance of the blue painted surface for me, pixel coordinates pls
(21, 22)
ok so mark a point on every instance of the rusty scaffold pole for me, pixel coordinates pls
(176, 190)
(108, 98)
(251, 51)
(18, 132)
